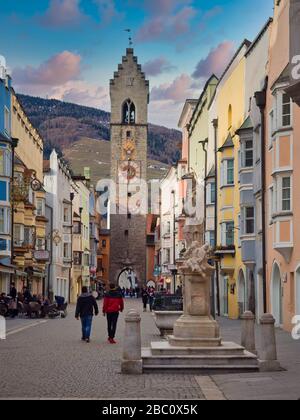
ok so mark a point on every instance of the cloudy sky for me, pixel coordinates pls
(69, 49)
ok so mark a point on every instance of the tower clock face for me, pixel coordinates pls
(129, 171)
(128, 150)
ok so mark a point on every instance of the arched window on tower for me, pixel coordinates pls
(128, 112)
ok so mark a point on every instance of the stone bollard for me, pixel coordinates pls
(248, 332)
(268, 355)
(132, 352)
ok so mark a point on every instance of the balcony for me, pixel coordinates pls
(225, 250)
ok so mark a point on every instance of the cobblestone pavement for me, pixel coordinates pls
(47, 360)
(283, 385)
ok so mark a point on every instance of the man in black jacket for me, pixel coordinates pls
(86, 305)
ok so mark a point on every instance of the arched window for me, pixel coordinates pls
(128, 112)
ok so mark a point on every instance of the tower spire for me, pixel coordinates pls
(129, 37)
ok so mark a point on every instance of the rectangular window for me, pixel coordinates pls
(5, 161)
(272, 127)
(104, 243)
(210, 238)
(67, 214)
(228, 234)
(211, 193)
(286, 110)
(4, 245)
(77, 258)
(18, 235)
(4, 191)
(249, 221)
(249, 154)
(5, 215)
(29, 236)
(76, 228)
(67, 251)
(40, 244)
(40, 207)
(7, 120)
(227, 172)
(286, 194)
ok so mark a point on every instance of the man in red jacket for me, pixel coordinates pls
(113, 304)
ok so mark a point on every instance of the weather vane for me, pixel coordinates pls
(130, 38)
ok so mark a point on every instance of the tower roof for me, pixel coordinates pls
(126, 61)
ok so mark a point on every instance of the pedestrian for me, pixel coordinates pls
(151, 295)
(145, 298)
(85, 308)
(13, 291)
(113, 304)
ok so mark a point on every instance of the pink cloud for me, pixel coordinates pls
(56, 71)
(158, 66)
(62, 13)
(108, 10)
(177, 91)
(167, 27)
(216, 61)
(82, 93)
(164, 7)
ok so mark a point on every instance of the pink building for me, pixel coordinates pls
(282, 169)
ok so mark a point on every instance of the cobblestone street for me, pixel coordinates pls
(48, 360)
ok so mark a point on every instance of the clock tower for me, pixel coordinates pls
(129, 93)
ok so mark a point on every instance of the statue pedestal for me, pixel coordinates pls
(195, 331)
(196, 327)
(196, 344)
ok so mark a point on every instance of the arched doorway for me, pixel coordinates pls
(127, 279)
(276, 294)
(297, 294)
(242, 293)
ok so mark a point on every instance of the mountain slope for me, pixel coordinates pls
(61, 124)
(95, 154)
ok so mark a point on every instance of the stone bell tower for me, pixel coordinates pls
(129, 92)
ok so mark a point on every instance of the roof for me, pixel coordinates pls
(228, 143)
(259, 36)
(188, 102)
(212, 172)
(283, 78)
(4, 138)
(247, 125)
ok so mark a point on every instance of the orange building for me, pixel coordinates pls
(103, 254)
(282, 148)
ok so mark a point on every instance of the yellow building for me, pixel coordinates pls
(230, 105)
(28, 197)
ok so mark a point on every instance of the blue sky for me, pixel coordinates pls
(69, 49)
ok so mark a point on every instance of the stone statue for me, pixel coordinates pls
(196, 327)
(196, 258)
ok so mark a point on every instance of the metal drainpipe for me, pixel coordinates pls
(51, 249)
(215, 124)
(72, 195)
(261, 101)
(12, 248)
